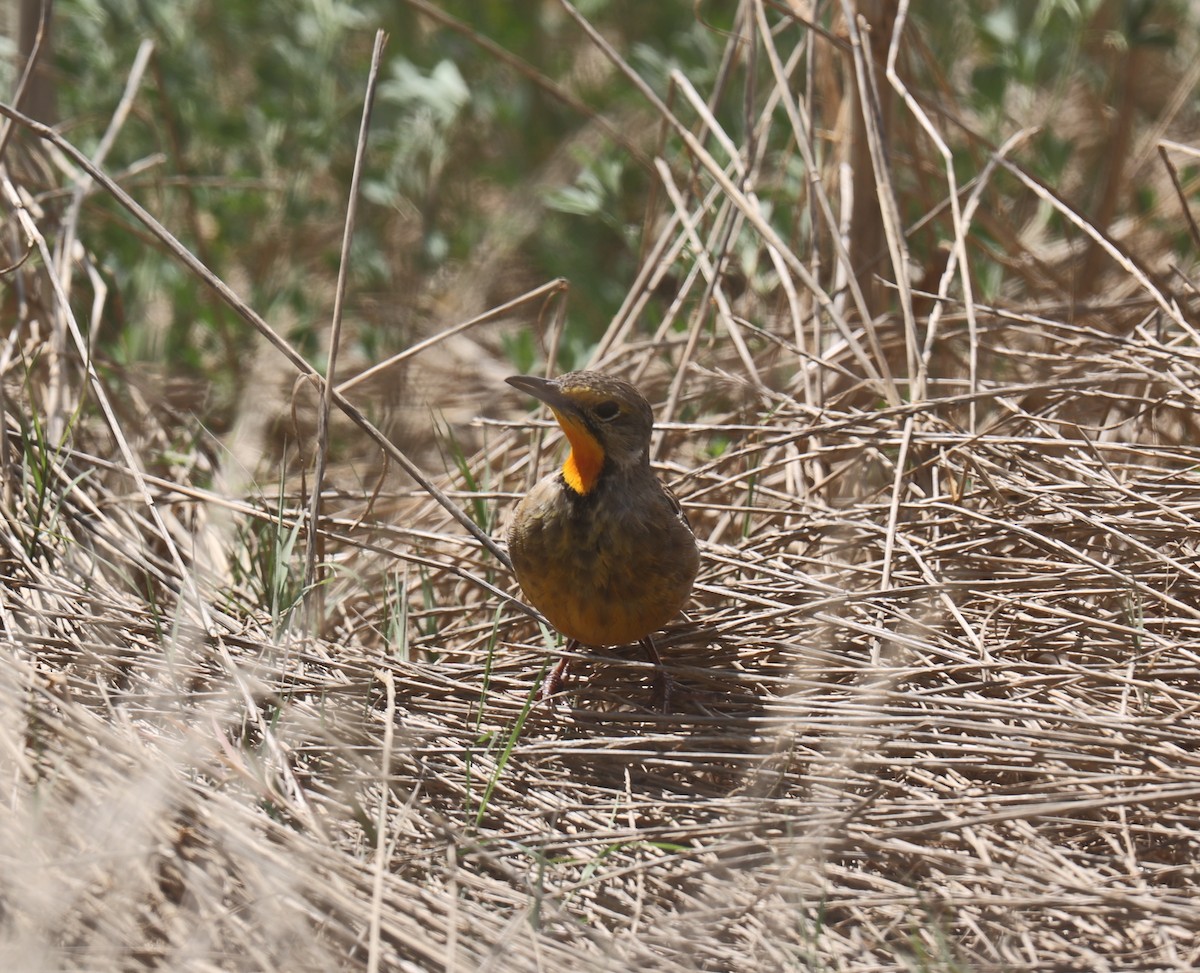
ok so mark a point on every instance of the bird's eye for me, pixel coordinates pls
(607, 410)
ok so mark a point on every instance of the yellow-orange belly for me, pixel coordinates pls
(606, 570)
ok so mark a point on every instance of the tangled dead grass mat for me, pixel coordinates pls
(940, 672)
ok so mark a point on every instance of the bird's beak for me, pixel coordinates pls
(545, 390)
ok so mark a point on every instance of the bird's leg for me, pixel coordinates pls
(556, 675)
(664, 685)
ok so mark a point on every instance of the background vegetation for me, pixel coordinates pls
(912, 293)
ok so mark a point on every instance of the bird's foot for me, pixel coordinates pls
(664, 690)
(664, 685)
(554, 680)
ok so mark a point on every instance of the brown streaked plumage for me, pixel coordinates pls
(601, 547)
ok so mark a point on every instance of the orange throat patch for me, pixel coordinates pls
(586, 459)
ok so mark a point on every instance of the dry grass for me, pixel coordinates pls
(941, 668)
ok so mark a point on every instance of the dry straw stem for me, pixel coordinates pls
(244, 311)
(940, 670)
(335, 333)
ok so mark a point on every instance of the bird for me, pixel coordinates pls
(601, 547)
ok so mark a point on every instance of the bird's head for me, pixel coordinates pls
(606, 421)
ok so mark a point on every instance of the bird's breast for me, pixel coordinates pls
(606, 568)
